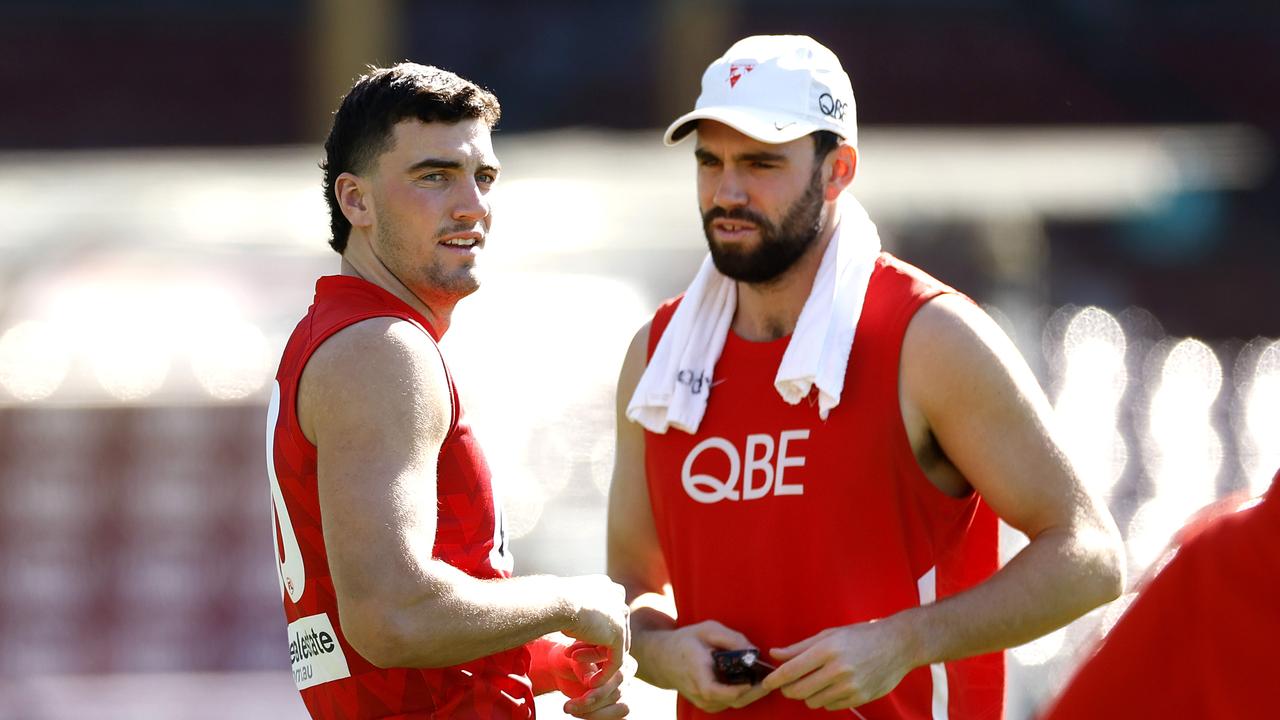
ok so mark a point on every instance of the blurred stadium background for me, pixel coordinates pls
(1101, 176)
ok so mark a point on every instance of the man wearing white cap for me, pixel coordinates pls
(816, 439)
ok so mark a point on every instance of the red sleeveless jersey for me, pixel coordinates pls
(780, 525)
(1199, 640)
(335, 681)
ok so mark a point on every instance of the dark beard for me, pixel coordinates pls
(780, 246)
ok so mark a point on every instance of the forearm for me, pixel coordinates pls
(651, 615)
(455, 618)
(1054, 580)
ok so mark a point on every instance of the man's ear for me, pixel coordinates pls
(354, 199)
(843, 166)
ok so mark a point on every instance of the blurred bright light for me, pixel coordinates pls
(542, 413)
(601, 456)
(1042, 649)
(129, 327)
(1185, 451)
(532, 217)
(1113, 611)
(1094, 381)
(1188, 450)
(228, 210)
(34, 359)
(520, 494)
(1262, 420)
(1190, 379)
(1150, 531)
(132, 361)
(231, 360)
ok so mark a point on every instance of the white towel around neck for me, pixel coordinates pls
(675, 386)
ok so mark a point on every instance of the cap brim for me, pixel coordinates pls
(778, 128)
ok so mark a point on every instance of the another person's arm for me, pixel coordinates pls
(962, 377)
(375, 400)
(678, 659)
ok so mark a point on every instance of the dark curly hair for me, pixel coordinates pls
(376, 103)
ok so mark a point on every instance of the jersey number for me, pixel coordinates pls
(293, 577)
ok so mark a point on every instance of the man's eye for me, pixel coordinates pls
(433, 177)
(487, 178)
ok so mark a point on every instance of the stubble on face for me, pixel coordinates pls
(780, 246)
(435, 274)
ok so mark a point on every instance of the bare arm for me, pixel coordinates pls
(666, 657)
(374, 399)
(993, 422)
(965, 384)
(634, 557)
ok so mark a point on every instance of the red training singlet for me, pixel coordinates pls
(780, 525)
(1199, 641)
(335, 681)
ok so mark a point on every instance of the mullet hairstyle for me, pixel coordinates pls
(363, 125)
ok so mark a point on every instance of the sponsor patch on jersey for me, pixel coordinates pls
(314, 650)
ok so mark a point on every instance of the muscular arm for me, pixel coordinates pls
(374, 399)
(963, 384)
(981, 403)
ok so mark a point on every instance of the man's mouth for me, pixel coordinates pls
(732, 228)
(464, 241)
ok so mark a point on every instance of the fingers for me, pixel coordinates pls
(588, 654)
(713, 633)
(609, 712)
(790, 651)
(814, 683)
(714, 697)
(612, 666)
(794, 669)
(755, 693)
(607, 694)
(835, 697)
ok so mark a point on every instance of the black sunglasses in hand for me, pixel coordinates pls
(740, 667)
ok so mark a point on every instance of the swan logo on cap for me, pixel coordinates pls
(736, 72)
(797, 87)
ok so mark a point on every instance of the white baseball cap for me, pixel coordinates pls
(774, 88)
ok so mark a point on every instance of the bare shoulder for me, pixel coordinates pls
(953, 350)
(382, 370)
(634, 364)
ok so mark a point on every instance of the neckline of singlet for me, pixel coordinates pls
(360, 282)
(736, 339)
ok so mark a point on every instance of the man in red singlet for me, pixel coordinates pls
(1199, 641)
(842, 519)
(394, 565)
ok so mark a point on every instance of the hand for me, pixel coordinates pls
(844, 667)
(599, 616)
(681, 660)
(572, 665)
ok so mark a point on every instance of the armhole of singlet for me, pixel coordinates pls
(661, 319)
(900, 438)
(454, 404)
